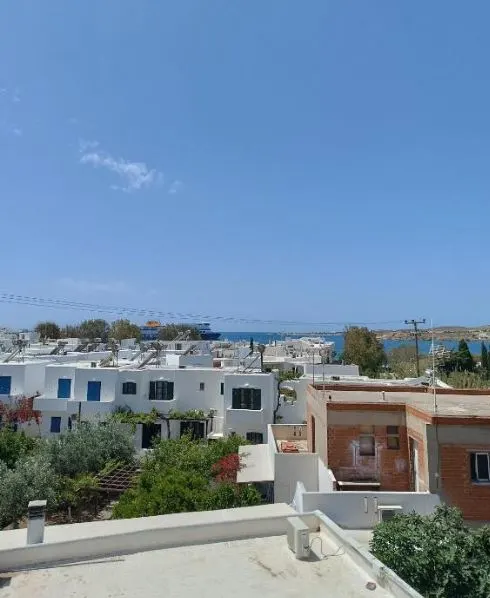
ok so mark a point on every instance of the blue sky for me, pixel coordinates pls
(318, 161)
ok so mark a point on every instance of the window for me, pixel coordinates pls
(178, 346)
(366, 441)
(201, 385)
(393, 438)
(129, 388)
(5, 385)
(246, 398)
(480, 467)
(222, 388)
(255, 437)
(196, 429)
(64, 388)
(55, 427)
(161, 390)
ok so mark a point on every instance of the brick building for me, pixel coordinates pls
(405, 439)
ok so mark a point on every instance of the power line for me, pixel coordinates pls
(115, 310)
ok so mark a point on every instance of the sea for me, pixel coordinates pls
(338, 339)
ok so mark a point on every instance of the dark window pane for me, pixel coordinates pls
(393, 442)
(129, 388)
(482, 466)
(222, 388)
(255, 437)
(161, 390)
(235, 398)
(392, 429)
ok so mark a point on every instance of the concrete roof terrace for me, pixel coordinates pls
(238, 552)
(448, 403)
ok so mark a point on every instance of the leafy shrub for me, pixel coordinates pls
(33, 478)
(437, 554)
(185, 475)
(14, 446)
(89, 447)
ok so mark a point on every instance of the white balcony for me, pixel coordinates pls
(44, 404)
(89, 408)
(237, 418)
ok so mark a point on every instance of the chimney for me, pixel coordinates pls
(36, 515)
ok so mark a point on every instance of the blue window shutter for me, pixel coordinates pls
(5, 385)
(55, 425)
(93, 391)
(64, 388)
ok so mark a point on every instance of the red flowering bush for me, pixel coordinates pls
(19, 410)
(226, 469)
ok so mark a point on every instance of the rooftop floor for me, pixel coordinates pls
(448, 405)
(263, 566)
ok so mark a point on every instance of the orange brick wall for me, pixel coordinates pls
(456, 485)
(389, 467)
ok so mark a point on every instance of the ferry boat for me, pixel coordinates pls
(149, 332)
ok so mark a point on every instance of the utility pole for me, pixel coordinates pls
(415, 324)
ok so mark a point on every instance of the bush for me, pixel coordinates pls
(14, 446)
(89, 447)
(33, 478)
(437, 554)
(185, 475)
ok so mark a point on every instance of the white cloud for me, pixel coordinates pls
(90, 286)
(85, 145)
(17, 131)
(16, 95)
(135, 175)
(175, 187)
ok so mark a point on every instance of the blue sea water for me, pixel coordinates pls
(268, 337)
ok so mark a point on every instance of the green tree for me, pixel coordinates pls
(181, 475)
(436, 554)
(70, 331)
(464, 359)
(14, 446)
(93, 329)
(170, 331)
(361, 347)
(48, 330)
(402, 361)
(78, 494)
(89, 447)
(122, 329)
(32, 478)
(484, 359)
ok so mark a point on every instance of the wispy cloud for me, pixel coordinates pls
(90, 286)
(16, 95)
(17, 131)
(134, 175)
(175, 187)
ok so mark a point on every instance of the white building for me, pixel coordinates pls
(21, 379)
(236, 402)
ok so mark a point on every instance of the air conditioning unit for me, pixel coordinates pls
(298, 537)
(387, 512)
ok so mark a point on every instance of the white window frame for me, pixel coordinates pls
(478, 478)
